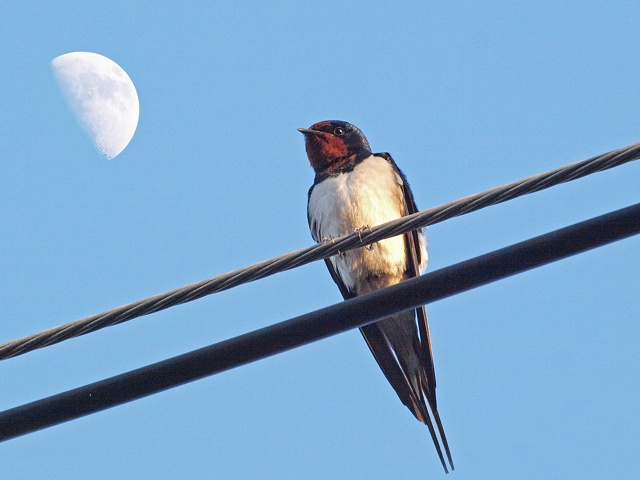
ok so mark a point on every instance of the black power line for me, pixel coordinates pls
(320, 324)
(301, 257)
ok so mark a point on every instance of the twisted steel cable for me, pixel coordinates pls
(313, 326)
(320, 251)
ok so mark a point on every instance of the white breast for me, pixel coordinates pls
(369, 195)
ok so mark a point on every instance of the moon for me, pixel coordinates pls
(102, 98)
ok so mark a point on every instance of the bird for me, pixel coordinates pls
(353, 190)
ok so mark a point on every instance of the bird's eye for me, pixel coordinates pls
(339, 131)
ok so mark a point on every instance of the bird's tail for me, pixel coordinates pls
(395, 345)
(428, 389)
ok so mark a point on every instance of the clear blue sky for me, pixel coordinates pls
(538, 375)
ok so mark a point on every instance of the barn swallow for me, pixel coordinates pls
(355, 189)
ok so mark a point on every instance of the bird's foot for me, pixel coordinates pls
(360, 231)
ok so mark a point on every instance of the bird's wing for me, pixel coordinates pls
(384, 355)
(381, 347)
(378, 344)
(415, 247)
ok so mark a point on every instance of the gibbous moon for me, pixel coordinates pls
(101, 96)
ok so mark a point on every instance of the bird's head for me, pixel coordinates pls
(332, 143)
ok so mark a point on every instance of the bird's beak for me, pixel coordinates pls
(306, 131)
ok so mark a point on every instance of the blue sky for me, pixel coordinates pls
(537, 375)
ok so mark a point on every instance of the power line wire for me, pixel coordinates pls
(316, 252)
(320, 324)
